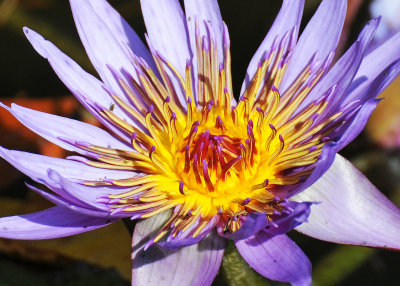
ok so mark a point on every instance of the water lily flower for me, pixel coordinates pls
(193, 165)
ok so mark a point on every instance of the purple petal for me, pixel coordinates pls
(205, 11)
(72, 75)
(277, 258)
(321, 35)
(321, 166)
(35, 166)
(121, 30)
(281, 223)
(357, 124)
(53, 127)
(343, 72)
(352, 210)
(62, 202)
(51, 223)
(254, 223)
(373, 65)
(192, 265)
(87, 89)
(104, 43)
(379, 84)
(85, 195)
(186, 238)
(289, 17)
(166, 27)
(298, 214)
(361, 117)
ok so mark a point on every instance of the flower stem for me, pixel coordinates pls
(237, 272)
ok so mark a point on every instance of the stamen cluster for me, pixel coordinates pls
(211, 161)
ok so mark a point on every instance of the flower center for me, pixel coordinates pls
(212, 162)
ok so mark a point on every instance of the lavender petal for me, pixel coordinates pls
(372, 66)
(289, 17)
(343, 72)
(51, 223)
(351, 209)
(320, 35)
(53, 127)
(104, 43)
(35, 166)
(277, 258)
(166, 27)
(191, 265)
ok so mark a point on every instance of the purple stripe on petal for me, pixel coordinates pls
(191, 265)
(289, 17)
(320, 36)
(51, 223)
(352, 210)
(205, 12)
(277, 258)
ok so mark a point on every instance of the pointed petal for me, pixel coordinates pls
(352, 210)
(205, 11)
(375, 88)
(208, 17)
(53, 127)
(51, 223)
(85, 195)
(357, 124)
(71, 74)
(192, 265)
(277, 258)
(186, 238)
(64, 203)
(321, 35)
(103, 43)
(289, 17)
(166, 27)
(373, 65)
(121, 30)
(343, 72)
(35, 166)
(86, 88)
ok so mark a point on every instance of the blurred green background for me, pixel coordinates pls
(102, 257)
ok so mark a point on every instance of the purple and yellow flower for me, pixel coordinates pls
(194, 165)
